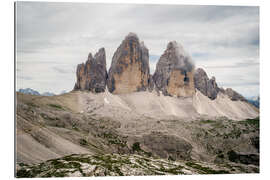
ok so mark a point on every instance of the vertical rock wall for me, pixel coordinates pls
(129, 71)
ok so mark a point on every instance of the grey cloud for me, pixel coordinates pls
(64, 33)
(239, 84)
(24, 77)
(65, 70)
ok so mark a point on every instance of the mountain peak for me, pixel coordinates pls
(92, 75)
(132, 35)
(129, 71)
(174, 71)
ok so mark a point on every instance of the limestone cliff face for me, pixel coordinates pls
(174, 72)
(129, 71)
(207, 86)
(92, 75)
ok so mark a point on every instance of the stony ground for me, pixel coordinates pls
(124, 165)
(109, 140)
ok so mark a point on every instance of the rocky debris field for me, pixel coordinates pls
(50, 129)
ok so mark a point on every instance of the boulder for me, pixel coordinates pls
(92, 74)
(129, 71)
(174, 72)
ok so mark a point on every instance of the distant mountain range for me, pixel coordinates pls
(34, 92)
(255, 101)
(29, 91)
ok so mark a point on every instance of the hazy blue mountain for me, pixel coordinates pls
(255, 101)
(34, 92)
(29, 91)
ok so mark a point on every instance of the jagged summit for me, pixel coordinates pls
(92, 74)
(132, 35)
(174, 72)
(182, 58)
(129, 71)
(207, 86)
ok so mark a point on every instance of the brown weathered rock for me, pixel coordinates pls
(207, 86)
(233, 95)
(93, 74)
(174, 72)
(129, 71)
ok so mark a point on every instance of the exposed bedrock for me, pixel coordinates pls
(174, 72)
(92, 74)
(207, 86)
(129, 71)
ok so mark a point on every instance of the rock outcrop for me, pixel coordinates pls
(129, 71)
(205, 85)
(174, 72)
(92, 75)
(233, 95)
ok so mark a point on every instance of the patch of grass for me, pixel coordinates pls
(207, 121)
(205, 170)
(171, 158)
(56, 106)
(83, 142)
(23, 173)
(136, 147)
(253, 122)
(220, 156)
(22, 164)
(113, 139)
(62, 165)
(32, 104)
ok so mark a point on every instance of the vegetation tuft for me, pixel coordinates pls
(205, 170)
(56, 106)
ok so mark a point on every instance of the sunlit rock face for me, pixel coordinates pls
(92, 74)
(174, 74)
(129, 71)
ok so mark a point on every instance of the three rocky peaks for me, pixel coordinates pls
(175, 73)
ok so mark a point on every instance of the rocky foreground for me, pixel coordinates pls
(78, 165)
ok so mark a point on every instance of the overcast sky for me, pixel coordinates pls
(52, 38)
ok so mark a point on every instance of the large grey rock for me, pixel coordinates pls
(205, 85)
(129, 71)
(174, 72)
(92, 75)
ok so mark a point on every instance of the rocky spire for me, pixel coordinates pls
(92, 75)
(205, 85)
(174, 72)
(129, 71)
